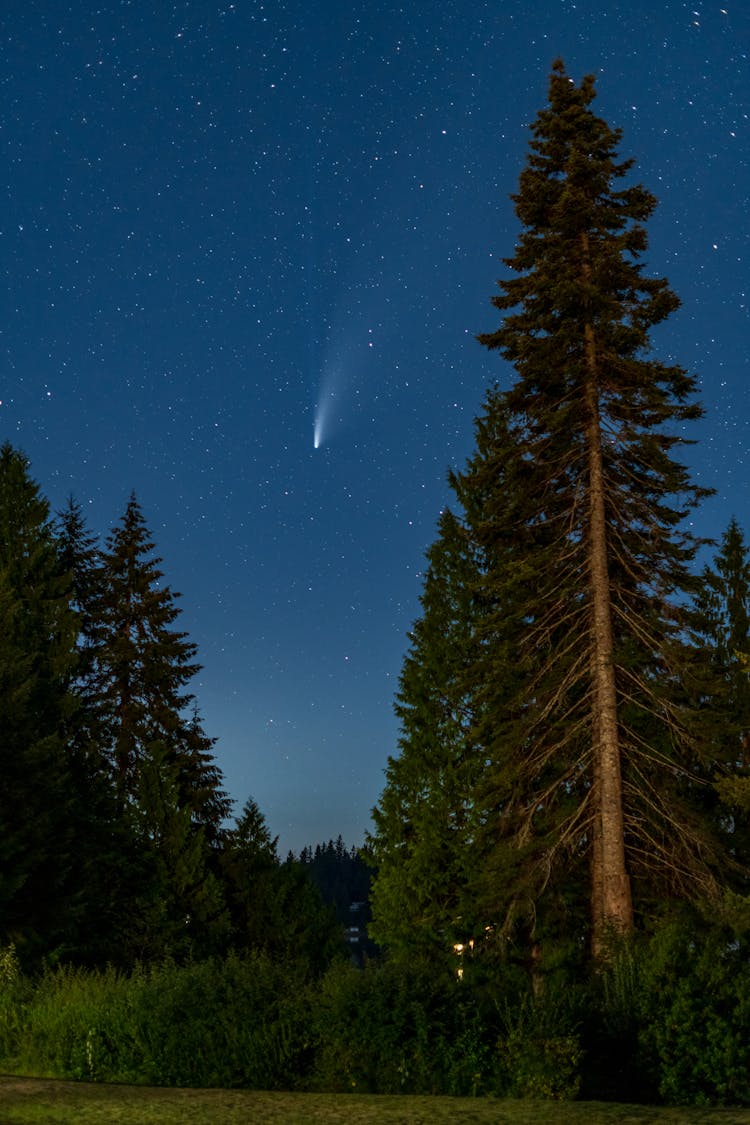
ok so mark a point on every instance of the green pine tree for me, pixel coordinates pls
(168, 786)
(721, 631)
(424, 822)
(80, 560)
(80, 557)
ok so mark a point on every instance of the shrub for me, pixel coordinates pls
(371, 1031)
(670, 1020)
(695, 1018)
(75, 1024)
(393, 1028)
(237, 1022)
(396, 1027)
(540, 1050)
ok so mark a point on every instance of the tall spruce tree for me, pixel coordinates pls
(165, 777)
(601, 715)
(575, 504)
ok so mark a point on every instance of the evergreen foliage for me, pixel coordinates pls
(104, 841)
(425, 821)
(113, 839)
(80, 558)
(141, 668)
(721, 637)
(342, 877)
(168, 786)
(111, 807)
(275, 907)
(80, 561)
(40, 872)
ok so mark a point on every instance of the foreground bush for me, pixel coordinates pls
(540, 1051)
(250, 1022)
(394, 1029)
(237, 1022)
(670, 1020)
(694, 1026)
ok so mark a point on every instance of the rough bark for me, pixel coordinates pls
(612, 908)
(615, 909)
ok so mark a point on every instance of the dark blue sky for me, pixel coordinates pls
(220, 219)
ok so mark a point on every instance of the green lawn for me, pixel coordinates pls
(55, 1102)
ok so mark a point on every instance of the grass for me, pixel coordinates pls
(54, 1102)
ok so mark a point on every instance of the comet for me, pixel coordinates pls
(347, 358)
(326, 403)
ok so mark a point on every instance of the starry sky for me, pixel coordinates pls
(245, 252)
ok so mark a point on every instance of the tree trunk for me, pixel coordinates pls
(612, 908)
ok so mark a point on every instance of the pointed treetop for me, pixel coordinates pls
(561, 84)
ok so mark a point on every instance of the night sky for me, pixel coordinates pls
(232, 231)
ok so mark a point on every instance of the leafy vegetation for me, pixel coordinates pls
(668, 1020)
